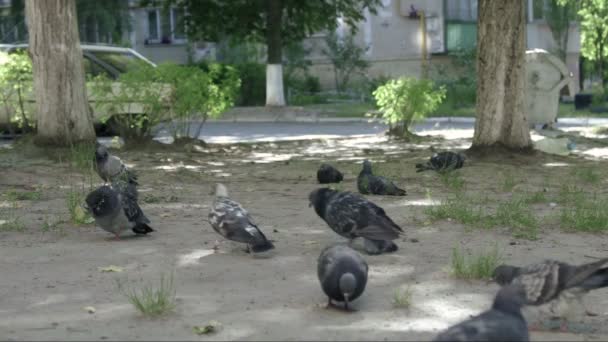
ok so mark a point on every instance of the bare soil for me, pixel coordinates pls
(49, 267)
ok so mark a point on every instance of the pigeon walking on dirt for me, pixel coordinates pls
(329, 174)
(353, 216)
(116, 211)
(442, 162)
(368, 183)
(556, 283)
(232, 221)
(503, 322)
(110, 168)
(342, 273)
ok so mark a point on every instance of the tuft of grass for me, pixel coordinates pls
(571, 194)
(516, 215)
(588, 175)
(153, 301)
(81, 156)
(457, 209)
(478, 266)
(12, 225)
(452, 180)
(402, 298)
(14, 195)
(74, 201)
(508, 182)
(588, 215)
(534, 197)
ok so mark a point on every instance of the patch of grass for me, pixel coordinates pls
(588, 175)
(516, 215)
(153, 301)
(452, 180)
(402, 298)
(571, 194)
(14, 195)
(478, 266)
(509, 182)
(74, 202)
(12, 225)
(457, 209)
(534, 197)
(589, 215)
(81, 156)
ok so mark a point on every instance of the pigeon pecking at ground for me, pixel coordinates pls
(329, 174)
(556, 283)
(342, 273)
(353, 216)
(116, 211)
(233, 222)
(503, 322)
(110, 168)
(368, 183)
(442, 162)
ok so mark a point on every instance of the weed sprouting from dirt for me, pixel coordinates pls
(13, 224)
(478, 266)
(402, 298)
(534, 197)
(516, 215)
(81, 156)
(14, 195)
(509, 182)
(458, 209)
(452, 180)
(588, 215)
(152, 301)
(571, 194)
(588, 175)
(75, 204)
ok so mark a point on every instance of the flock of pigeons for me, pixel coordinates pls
(341, 270)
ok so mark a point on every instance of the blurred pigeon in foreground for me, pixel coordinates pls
(233, 222)
(329, 174)
(442, 161)
(342, 273)
(117, 210)
(555, 282)
(503, 322)
(353, 216)
(367, 183)
(110, 168)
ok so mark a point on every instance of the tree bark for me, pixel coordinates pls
(275, 95)
(501, 118)
(59, 84)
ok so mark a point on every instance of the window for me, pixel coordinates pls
(538, 9)
(166, 27)
(460, 25)
(461, 10)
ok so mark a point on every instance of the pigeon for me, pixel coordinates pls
(556, 283)
(116, 210)
(329, 174)
(111, 168)
(353, 216)
(503, 322)
(367, 183)
(442, 162)
(342, 273)
(232, 221)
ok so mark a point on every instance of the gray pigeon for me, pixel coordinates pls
(329, 174)
(233, 222)
(353, 216)
(503, 322)
(116, 211)
(110, 168)
(442, 162)
(368, 183)
(555, 282)
(342, 273)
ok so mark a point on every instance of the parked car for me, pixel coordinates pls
(110, 61)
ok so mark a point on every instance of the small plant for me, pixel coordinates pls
(457, 209)
(516, 215)
(571, 194)
(452, 180)
(153, 301)
(81, 156)
(74, 201)
(534, 197)
(402, 298)
(588, 215)
(479, 266)
(13, 195)
(346, 57)
(404, 100)
(508, 182)
(588, 175)
(12, 225)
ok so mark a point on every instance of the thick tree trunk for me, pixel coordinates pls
(501, 117)
(59, 84)
(274, 68)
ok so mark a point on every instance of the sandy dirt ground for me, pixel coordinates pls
(49, 268)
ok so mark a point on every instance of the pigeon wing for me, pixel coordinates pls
(540, 281)
(575, 275)
(132, 209)
(232, 221)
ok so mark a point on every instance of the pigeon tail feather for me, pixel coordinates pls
(262, 246)
(142, 228)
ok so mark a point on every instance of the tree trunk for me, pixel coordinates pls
(59, 84)
(501, 118)
(274, 68)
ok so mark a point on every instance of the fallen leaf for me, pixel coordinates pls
(89, 309)
(111, 268)
(211, 327)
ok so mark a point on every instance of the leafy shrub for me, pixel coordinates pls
(253, 84)
(404, 100)
(459, 78)
(16, 84)
(598, 96)
(346, 57)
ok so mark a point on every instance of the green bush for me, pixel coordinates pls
(253, 84)
(16, 84)
(405, 100)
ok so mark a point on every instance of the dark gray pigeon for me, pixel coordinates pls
(329, 174)
(116, 211)
(353, 216)
(342, 273)
(555, 282)
(442, 162)
(368, 183)
(233, 222)
(503, 322)
(110, 168)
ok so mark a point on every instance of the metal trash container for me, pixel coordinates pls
(546, 75)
